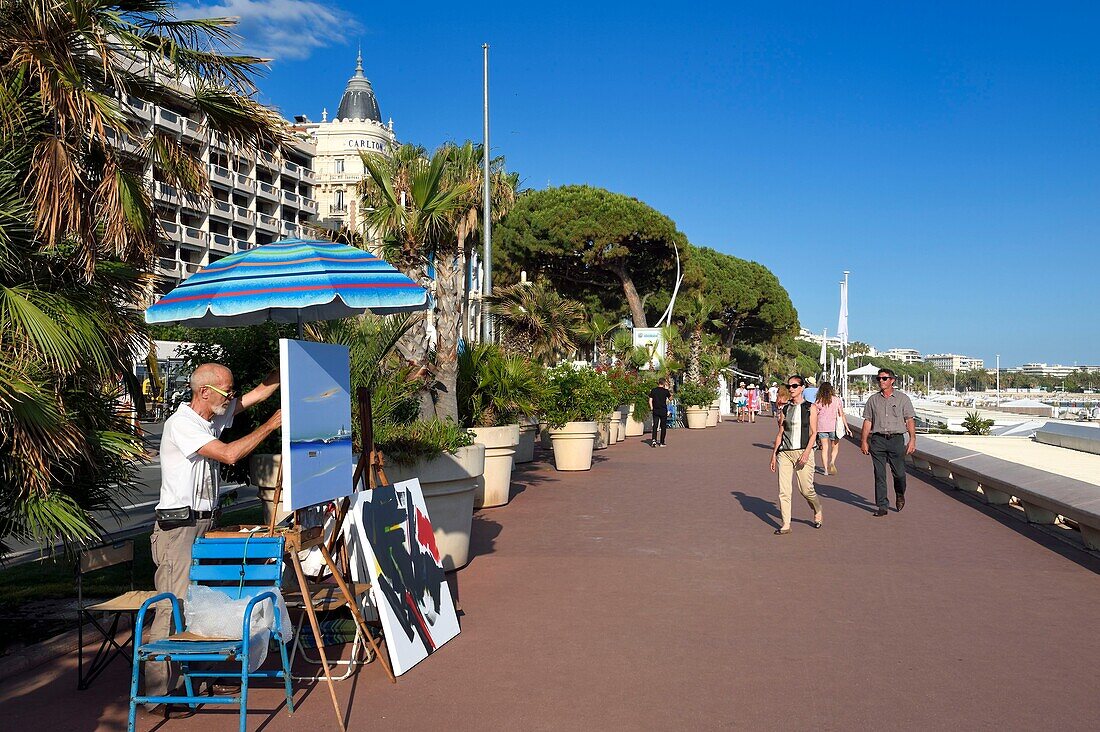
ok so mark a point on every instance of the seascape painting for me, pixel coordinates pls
(392, 545)
(316, 403)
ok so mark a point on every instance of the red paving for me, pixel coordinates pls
(650, 593)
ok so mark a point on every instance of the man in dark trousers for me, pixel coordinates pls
(886, 417)
(658, 405)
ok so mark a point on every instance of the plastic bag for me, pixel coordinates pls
(214, 614)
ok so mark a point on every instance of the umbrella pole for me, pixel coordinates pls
(301, 328)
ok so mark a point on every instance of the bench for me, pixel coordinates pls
(1044, 496)
(1072, 436)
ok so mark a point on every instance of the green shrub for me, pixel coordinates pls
(576, 395)
(495, 389)
(640, 399)
(405, 444)
(975, 425)
(696, 395)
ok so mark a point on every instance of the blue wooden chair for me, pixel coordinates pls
(246, 567)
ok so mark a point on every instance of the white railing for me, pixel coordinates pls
(220, 174)
(266, 190)
(243, 214)
(194, 236)
(168, 119)
(246, 183)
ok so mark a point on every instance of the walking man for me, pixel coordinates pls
(888, 415)
(658, 405)
(190, 452)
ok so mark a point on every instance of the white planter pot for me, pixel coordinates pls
(449, 483)
(696, 417)
(617, 424)
(528, 432)
(634, 428)
(712, 416)
(573, 445)
(603, 434)
(612, 428)
(500, 447)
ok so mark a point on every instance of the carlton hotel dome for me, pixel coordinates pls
(356, 127)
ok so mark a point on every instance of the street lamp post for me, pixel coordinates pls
(487, 285)
(998, 379)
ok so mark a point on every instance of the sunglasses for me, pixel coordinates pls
(794, 386)
(886, 378)
(227, 394)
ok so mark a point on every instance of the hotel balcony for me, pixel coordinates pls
(268, 161)
(219, 141)
(244, 214)
(267, 223)
(168, 267)
(267, 192)
(241, 245)
(168, 193)
(221, 209)
(309, 205)
(291, 169)
(172, 230)
(221, 243)
(140, 108)
(194, 237)
(307, 176)
(193, 129)
(246, 183)
(190, 268)
(123, 141)
(288, 229)
(290, 197)
(219, 174)
(168, 120)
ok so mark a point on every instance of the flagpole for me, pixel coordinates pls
(486, 220)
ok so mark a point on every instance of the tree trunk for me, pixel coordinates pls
(448, 295)
(633, 301)
(414, 346)
(694, 354)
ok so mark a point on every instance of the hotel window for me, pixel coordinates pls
(339, 165)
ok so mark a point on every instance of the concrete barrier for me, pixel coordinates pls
(1071, 436)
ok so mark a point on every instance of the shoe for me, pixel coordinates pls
(780, 532)
(879, 512)
(661, 444)
(900, 502)
(816, 524)
(224, 689)
(653, 444)
(832, 470)
(166, 711)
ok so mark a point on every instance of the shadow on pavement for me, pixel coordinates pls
(836, 493)
(762, 509)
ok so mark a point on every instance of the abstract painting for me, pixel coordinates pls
(392, 545)
(316, 402)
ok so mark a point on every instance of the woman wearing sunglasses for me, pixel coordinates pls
(792, 456)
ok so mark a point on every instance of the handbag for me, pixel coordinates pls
(841, 425)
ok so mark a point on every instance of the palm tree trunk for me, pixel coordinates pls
(447, 311)
(694, 354)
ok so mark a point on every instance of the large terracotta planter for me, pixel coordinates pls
(528, 433)
(603, 434)
(633, 427)
(712, 415)
(573, 445)
(696, 417)
(500, 447)
(449, 483)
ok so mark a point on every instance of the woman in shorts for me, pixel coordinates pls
(830, 426)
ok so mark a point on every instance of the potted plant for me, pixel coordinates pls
(574, 399)
(494, 390)
(696, 400)
(450, 467)
(639, 411)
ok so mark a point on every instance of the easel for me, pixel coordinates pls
(298, 539)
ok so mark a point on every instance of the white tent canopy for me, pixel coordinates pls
(868, 370)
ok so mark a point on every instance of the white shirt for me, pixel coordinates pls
(187, 478)
(773, 393)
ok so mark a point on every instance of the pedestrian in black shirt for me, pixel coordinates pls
(658, 404)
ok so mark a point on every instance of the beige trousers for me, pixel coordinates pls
(788, 471)
(172, 554)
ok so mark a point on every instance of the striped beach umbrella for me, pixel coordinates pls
(294, 280)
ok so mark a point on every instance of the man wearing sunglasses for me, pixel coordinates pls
(887, 416)
(190, 453)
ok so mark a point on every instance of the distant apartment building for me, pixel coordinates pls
(811, 337)
(356, 127)
(1057, 371)
(905, 355)
(256, 197)
(953, 363)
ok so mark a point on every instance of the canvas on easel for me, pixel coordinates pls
(316, 402)
(393, 547)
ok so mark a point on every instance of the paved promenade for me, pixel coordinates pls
(650, 593)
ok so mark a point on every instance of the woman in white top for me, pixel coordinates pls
(829, 426)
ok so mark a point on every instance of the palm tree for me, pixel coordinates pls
(595, 331)
(536, 321)
(427, 213)
(695, 316)
(77, 235)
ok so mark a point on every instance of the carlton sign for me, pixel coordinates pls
(363, 143)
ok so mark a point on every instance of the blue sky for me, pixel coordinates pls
(945, 153)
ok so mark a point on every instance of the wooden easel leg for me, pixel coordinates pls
(354, 607)
(312, 615)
